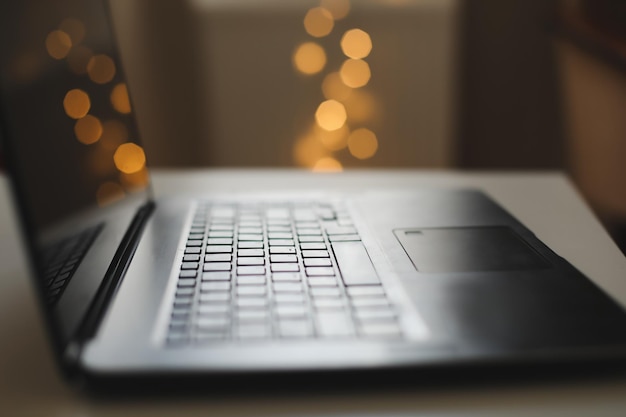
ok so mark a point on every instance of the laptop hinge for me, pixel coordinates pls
(109, 284)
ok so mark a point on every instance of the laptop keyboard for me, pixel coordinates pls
(61, 261)
(277, 271)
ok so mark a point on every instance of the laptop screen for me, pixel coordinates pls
(67, 126)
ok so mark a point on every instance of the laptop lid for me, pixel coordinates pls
(78, 172)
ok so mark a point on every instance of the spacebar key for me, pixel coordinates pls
(354, 264)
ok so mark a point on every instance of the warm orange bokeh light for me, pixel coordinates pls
(362, 143)
(58, 44)
(356, 44)
(355, 73)
(309, 58)
(129, 158)
(318, 22)
(338, 8)
(334, 88)
(327, 164)
(101, 69)
(78, 59)
(119, 98)
(74, 28)
(308, 150)
(76, 103)
(88, 130)
(331, 115)
(108, 193)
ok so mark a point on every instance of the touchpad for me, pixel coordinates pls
(468, 249)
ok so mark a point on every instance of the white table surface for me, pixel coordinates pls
(546, 202)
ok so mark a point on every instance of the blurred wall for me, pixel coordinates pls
(509, 89)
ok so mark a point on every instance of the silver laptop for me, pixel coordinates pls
(130, 286)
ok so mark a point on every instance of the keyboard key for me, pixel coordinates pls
(219, 249)
(313, 246)
(315, 254)
(212, 322)
(354, 264)
(340, 230)
(220, 227)
(278, 229)
(289, 298)
(325, 292)
(328, 303)
(189, 266)
(280, 235)
(251, 280)
(281, 242)
(285, 267)
(213, 309)
(217, 266)
(250, 270)
(216, 276)
(251, 261)
(186, 282)
(250, 238)
(307, 225)
(283, 258)
(322, 282)
(250, 252)
(220, 233)
(371, 302)
(185, 291)
(188, 274)
(344, 238)
(250, 245)
(317, 262)
(194, 243)
(286, 277)
(278, 250)
(315, 271)
(215, 297)
(191, 258)
(378, 314)
(250, 231)
(218, 257)
(219, 241)
(252, 290)
(310, 239)
(252, 302)
(309, 232)
(193, 250)
(287, 287)
(215, 286)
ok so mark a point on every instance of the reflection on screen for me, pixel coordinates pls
(67, 108)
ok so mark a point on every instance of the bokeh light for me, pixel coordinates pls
(76, 103)
(334, 88)
(58, 44)
(338, 8)
(88, 130)
(318, 22)
(119, 98)
(356, 44)
(309, 58)
(355, 73)
(101, 69)
(308, 150)
(327, 164)
(362, 143)
(129, 158)
(331, 115)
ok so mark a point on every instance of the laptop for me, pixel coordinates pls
(132, 286)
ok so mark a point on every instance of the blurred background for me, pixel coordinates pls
(334, 84)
